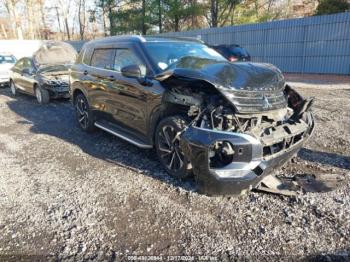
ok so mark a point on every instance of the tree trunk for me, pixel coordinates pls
(214, 13)
(81, 18)
(160, 22)
(30, 18)
(17, 29)
(176, 23)
(67, 27)
(104, 22)
(4, 31)
(110, 17)
(58, 19)
(144, 30)
(42, 14)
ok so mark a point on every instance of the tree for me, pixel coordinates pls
(65, 6)
(81, 17)
(179, 14)
(108, 14)
(332, 6)
(220, 11)
(14, 18)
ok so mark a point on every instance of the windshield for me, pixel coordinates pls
(7, 59)
(165, 54)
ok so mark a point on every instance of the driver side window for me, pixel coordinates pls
(125, 57)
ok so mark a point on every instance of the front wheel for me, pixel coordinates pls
(13, 88)
(83, 113)
(167, 142)
(42, 95)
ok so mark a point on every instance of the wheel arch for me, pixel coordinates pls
(78, 91)
(166, 109)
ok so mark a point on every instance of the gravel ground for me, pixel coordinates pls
(69, 195)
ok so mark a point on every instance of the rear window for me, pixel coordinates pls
(103, 58)
(7, 59)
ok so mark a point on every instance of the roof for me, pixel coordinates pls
(143, 39)
(230, 45)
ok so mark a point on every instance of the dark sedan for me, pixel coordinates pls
(233, 53)
(46, 74)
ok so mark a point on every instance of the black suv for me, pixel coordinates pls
(45, 75)
(229, 124)
(233, 53)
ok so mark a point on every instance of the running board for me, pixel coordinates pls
(121, 134)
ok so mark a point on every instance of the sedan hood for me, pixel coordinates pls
(54, 70)
(250, 87)
(55, 53)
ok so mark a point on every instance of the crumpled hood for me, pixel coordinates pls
(58, 73)
(250, 87)
(54, 70)
(55, 53)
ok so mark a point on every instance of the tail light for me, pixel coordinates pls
(232, 59)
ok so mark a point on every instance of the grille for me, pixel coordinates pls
(257, 101)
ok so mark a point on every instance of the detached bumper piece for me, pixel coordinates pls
(235, 163)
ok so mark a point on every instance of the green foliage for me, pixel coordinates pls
(220, 12)
(177, 12)
(332, 7)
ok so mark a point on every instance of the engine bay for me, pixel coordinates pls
(277, 129)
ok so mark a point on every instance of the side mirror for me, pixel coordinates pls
(131, 71)
(26, 71)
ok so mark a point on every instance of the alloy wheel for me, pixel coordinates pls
(82, 113)
(169, 148)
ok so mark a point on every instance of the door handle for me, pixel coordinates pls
(85, 72)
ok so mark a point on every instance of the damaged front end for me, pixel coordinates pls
(241, 131)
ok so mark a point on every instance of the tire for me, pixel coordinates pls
(13, 88)
(42, 95)
(84, 115)
(167, 146)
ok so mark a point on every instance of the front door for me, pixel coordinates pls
(27, 78)
(128, 98)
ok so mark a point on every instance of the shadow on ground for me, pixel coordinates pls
(58, 119)
(325, 158)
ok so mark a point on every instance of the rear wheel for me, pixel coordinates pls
(13, 88)
(42, 95)
(167, 141)
(84, 115)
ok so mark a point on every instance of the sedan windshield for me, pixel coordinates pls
(7, 59)
(165, 54)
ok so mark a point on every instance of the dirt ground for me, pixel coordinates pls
(69, 195)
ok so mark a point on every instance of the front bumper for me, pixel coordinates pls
(58, 91)
(253, 160)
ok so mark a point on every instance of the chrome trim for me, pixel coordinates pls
(122, 136)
